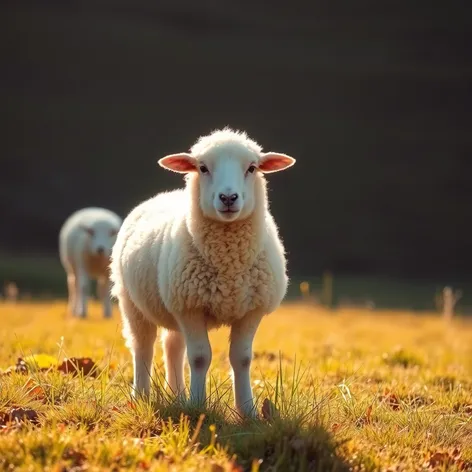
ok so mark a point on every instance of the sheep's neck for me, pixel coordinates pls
(228, 247)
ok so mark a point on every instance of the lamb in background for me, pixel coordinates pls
(85, 242)
(200, 257)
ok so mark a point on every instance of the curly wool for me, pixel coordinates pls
(225, 271)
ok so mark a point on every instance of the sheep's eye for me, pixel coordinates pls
(203, 169)
(251, 169)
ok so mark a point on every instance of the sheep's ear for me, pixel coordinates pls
(88, 230)
(181, 163)
(274, 162)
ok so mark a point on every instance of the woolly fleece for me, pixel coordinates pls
(170, 261)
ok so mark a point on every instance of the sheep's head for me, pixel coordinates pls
(102, 236)
(228, 166)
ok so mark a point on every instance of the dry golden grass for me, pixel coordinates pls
(355, 390)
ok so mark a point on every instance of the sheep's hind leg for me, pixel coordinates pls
(140, 335)
(195, 334)
(72, 296)
(240, 356)
(173, 345)
(81, 292)
(103, 286)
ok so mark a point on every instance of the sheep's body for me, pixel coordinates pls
(175, 267)
(85, 242)
(227, 273)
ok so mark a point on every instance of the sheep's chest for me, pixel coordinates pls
(225, 294)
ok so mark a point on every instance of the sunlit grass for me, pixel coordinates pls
(353, 390)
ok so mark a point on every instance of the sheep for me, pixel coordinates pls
(85, 242)
(200, 257)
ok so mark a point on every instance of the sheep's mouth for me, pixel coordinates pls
(229, 210)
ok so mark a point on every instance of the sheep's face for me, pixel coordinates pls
(227, 182)
(101, 238)
(228, 175)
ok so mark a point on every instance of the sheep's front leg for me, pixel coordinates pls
(104, 295)
(195, 334)
(240, 356)
(173, 346)
(81, 293)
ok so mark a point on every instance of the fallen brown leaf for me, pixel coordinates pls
(390, 399)
(74, 365)
(366, 418)
(268, 410)
(19, 368)
(17, 415)
(35, 390)
(335, 427)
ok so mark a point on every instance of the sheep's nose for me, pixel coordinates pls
(100, 250)
(228, 200)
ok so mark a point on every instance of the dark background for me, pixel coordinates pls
(372, 98)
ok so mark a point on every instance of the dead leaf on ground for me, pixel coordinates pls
(131, 405)
(390, 399)
(42, 362)
(18, 415)
(366, 418)
(76, 365)
(335, 427)
(34, 390)
(462, 407)
(268, 410)
(19, 368)
(35, 362)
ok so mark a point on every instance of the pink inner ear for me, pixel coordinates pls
(178, 163)
(274, 162)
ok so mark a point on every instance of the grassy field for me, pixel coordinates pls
(353, 390)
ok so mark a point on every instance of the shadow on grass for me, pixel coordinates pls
(289, 436)
(283, 444)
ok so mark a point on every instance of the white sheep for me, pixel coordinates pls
(196, 258)
(85, 242)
